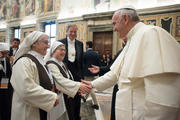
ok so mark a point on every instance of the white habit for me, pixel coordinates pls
(28, 95)
(148, 75)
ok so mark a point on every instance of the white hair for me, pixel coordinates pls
(129, 11)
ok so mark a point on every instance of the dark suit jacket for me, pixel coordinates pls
(78, 57)
(8, 69)
(105, 69)
(91, 58)
(11, 51)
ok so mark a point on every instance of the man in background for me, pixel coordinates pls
(74, 62)
(13, 48)
(91, 58)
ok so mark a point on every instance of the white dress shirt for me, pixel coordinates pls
(71, 50)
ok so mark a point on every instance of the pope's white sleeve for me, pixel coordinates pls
(107, 80)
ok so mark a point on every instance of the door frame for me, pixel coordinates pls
(116, 46)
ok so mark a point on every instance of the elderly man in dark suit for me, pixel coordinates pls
(74, 62)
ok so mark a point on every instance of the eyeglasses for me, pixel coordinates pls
(45, 42)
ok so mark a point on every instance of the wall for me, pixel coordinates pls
(88, 23)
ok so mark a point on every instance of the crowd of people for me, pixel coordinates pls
(49, 85)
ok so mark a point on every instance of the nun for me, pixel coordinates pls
(64, 81)
(33, 96)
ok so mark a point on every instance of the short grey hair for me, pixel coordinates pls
(70, 25)
(129, 11)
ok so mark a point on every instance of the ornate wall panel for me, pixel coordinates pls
(25, 31)
(177, 33)
(170, 22)
(2, 36)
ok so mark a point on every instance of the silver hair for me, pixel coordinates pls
(129, 11)
(70, 25)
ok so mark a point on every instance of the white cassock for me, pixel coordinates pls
(148, 75)
(28, 95)
(65, 86)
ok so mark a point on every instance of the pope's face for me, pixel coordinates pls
(72, 32)
(60, 53)
(42, 45)
(119, 25)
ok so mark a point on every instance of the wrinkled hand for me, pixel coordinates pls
(88, 83)
(94, 69)
(57, 101)
(84, 88)
(11, 59)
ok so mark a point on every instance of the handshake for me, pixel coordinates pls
(85, 87)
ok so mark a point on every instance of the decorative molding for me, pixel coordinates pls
(98, 15)
(66, 20)
(47, 16)
(14, 22)
(100, 28)
(159, 10)
(28, 26)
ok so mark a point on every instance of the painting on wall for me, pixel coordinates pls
(100, 5)
(15, 8)
(57, 5)
(29, 7)
(177, 26)
(46, 6)
(3, 9)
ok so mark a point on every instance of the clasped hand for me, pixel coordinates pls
(85, 87)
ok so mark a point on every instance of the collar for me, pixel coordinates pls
(55, 60)
(70, 41)
(38, 56)
(14, 48)
(89, 49)
(133, 30)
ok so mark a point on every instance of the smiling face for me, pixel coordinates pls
(16, 43)
(59, 53)
(120, 25)
(72, 32)
(42, 45)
